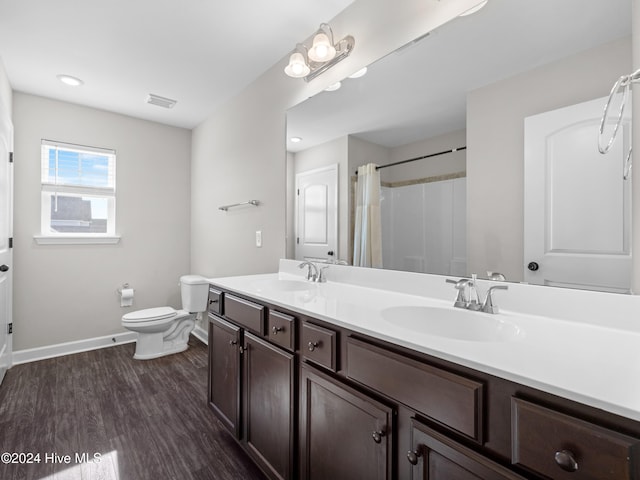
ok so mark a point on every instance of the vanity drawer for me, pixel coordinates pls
(215, 301)
(248, 314)
(319, 345)
(563, 447)
(282, 329)
(449, 399)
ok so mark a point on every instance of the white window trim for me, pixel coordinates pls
(76, 240)
(49, 237)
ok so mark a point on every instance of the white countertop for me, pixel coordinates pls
(595, 361)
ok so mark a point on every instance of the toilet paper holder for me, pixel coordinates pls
(126, 294)
(123, 287)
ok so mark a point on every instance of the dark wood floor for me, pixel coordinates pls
(145, 419)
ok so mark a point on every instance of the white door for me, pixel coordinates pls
(6, 232)
(577, 206)
(317, 214)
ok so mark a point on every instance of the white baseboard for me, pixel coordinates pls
(51, 351)
(201, 334)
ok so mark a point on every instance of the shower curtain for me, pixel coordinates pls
(367, 247)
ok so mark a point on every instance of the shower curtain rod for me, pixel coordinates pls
(420, 158)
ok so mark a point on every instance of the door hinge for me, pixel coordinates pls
(10, 328)
(298, 191)
(10, 157)
(11, 242)
(298, 240)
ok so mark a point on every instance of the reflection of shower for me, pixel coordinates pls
(424, 226)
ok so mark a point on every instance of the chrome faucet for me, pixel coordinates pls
(468, 297)
(496, 276)
(474, 298)
(313, 277)
(488, 306)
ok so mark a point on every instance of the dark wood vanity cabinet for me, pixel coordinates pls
(311, 400)
(564, 447)
(252, 388)
(224, 372)
(344, 434)
(434, 456)
(269, 406)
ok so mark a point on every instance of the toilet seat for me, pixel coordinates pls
(149, 315)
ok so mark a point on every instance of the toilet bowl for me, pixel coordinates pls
(164, 330)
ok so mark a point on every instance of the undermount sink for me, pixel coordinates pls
(280, 285)
(452, 323)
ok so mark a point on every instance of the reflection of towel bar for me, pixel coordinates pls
(255, 203)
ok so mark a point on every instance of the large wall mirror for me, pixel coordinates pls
(472, 83)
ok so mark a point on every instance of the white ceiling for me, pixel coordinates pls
(420, 91)
(198, 52)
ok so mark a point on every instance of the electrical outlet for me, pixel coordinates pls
(258, 238)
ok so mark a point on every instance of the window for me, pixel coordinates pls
(78, 198)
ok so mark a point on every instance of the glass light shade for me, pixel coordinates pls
(321, 50)
(360, 73)
(297, 67)
(333, 87)
(473, 10)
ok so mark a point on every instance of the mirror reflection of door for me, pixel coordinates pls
(577, 205)
(317, 214)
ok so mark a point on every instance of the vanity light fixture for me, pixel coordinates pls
(333, 87)
(69, 80)
(323, 54)
(295, 139)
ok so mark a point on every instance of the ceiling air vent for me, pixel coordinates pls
(160, 101)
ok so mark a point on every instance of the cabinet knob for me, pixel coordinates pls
(377, 436)
(566, 460)
(213, 301)
(533, 266)
(313, 345)
(4, 268)
(233, 342)
(275, 330)
(413, 456)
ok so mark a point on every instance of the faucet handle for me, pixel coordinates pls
(461, 285)
(322, 278)
(488, 306)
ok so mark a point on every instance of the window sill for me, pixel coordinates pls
(75, 240)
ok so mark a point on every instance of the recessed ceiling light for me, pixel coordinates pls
(333, 87)
(473, 10)
(295, 139)
(359, 73)
(69, 80)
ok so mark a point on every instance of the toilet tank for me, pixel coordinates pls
(194, 290)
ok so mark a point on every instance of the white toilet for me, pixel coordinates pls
(163, 330)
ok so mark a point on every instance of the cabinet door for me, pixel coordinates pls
(436, 457)
(269, 408)
(224, 372)
(344, 434)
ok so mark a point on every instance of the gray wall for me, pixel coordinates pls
(239, 152)
(64, 293)
(5, 89)
(441, 165)
(495, 137)
(329, 153)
